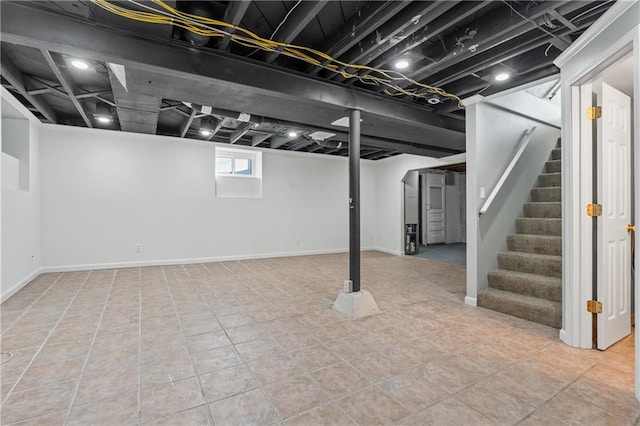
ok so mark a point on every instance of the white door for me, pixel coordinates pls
(614, 193)
(435, 208)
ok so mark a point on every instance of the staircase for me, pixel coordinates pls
(528, 283)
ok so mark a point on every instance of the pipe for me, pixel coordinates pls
(354, 199)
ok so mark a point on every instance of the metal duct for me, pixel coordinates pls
(209, 110)
(330, 144)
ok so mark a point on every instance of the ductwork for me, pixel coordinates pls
(330, 144)
(209, 110)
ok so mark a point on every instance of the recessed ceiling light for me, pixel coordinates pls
(292, 134)
(205, 132)
(103, 119)
(80, 64)
(502, 76)
(402, 64)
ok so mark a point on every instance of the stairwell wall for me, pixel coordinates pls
(494, 129)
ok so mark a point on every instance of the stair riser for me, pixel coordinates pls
(550, 210)
(551, 316)
(546, 267)
(539, 227)
(556, 154)
(545, 180)
(529, 244)
(545, 195)
(553, 167)
(543, 288)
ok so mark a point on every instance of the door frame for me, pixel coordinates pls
(577, 189)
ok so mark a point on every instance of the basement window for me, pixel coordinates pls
(237, 162)
(238, 173)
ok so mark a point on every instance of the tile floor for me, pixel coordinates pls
(256, 342)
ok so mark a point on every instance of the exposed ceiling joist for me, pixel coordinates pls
(187, 124)
(242, 130)
(408, 20)
(499, 28)
(233, 15)
(358, 27)
(55, 32)
(216, 129)
(295, 23)
(258, 138)
(66, 82)
(448, 19)
(16, 79)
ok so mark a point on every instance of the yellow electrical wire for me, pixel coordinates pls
(204, 26)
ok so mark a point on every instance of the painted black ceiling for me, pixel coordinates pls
(257, 97)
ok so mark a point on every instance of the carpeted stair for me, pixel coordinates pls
(528, 283)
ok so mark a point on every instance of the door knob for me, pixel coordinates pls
(631, 228)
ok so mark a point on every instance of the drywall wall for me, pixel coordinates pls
(20, 206)
(389, 173)
(107, 193)
(489, 152)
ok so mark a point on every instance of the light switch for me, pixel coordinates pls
(483, 193)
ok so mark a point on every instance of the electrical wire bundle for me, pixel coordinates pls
(209, 27)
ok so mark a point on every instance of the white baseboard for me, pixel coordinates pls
(472, 301)
(389, 251)
(167, 262)
(18, 286)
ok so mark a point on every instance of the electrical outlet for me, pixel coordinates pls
(138, 248)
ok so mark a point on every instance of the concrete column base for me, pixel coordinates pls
(356, 305)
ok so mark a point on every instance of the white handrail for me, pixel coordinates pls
(526, 138)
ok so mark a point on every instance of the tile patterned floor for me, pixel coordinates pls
(256, 342)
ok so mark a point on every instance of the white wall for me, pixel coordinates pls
(490, 149)
(105, 192)
(388, 233)
(21, 257)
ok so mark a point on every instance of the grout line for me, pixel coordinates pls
(186, 343)
(33, 303)
(6, 398)
(93, 339)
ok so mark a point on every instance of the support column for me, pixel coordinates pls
(353, 301)
(354, 199)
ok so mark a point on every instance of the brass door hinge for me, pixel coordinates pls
(594, 209)
(594, 306)
(594, 113)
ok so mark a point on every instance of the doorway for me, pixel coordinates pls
(608, 96)
(435, 207)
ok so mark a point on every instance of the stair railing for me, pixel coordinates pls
(524, 142)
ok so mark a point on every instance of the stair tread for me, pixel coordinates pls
(530, 255)
(528, 308)
(543, 202)
(522, 298)
(526, 276)
(536, 236)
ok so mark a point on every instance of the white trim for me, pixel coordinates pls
(167, 262)
(614, 12)
(386, 250)
(20, 285)
(471, 301)
(562, 335)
